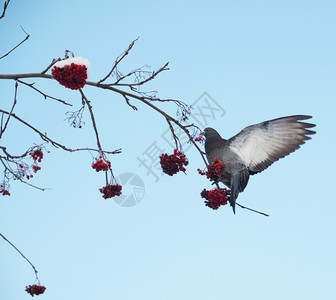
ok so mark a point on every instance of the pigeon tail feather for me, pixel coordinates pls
(238, 184)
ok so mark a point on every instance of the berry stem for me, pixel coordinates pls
(86, 100)
(21, 255)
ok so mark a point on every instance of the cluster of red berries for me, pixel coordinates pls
(200, 138)
(5, 192)
(111, 190)
(216, 197)
(35, 289)
(171, 164)
(101, 164)
(215, 170)
(37, 155)
(35, 169)
(24, 169)
(72, 76)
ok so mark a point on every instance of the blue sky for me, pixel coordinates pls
(257, 60)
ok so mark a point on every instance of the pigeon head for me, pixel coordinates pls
(210, 133)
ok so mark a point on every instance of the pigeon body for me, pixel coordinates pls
(255, 148)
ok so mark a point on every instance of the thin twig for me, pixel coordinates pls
(118, 60)
(94, 125)
(74, 118)
(86, 100)
(31, 85)
(26, 38)
(51, 64)
(4, 9)
(18, 177)
(137, 73)
(128, 102)
(178, 144)
(4, 149)
(56, 144)
(11, 111)
(138, 83)
(21, 254)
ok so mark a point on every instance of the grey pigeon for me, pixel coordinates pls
(255, 148)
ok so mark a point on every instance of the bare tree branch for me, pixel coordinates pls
(9, 169)
(26, 38)
(128, 102)
(4, 9)
(178, 144)
(51, 64)
(2, 130)
(31, 85)
(56, 144)
(8, 155)
(118, 60)
(143, 99)
(35, 271)
(148, 103)
(75, 117)
(140, 82)
(86, 100)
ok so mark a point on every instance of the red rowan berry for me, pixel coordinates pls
(171, 164)
(35, 289)
(111, 190)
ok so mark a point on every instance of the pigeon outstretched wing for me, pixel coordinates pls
(262, 144)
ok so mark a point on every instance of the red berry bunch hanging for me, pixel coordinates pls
(5, 192)
(36, 168)
(72, 72)
(101, 164)
(171, 164)
(200, 138)
(35, 289)
(215, 170)
(216, 197)
(111, 190)
(37, 155)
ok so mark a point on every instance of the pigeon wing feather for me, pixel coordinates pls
(262, 144)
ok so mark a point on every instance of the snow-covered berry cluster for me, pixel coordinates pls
(216, 197)
(171, 164)
(71, 72)
(215, 170)
(111, 190)
(35, 289)
(101, 164)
